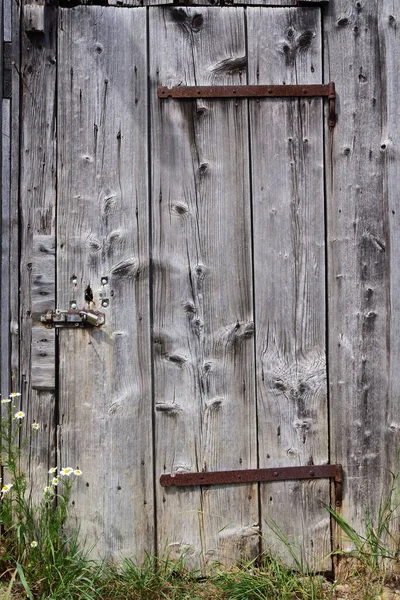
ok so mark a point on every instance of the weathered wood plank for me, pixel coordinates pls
(359, 271)
(37, 200)
(389, 22)
(289, 271)
(43, 363)
(33, 20)
(5, 249)
(14, 198)
(7, 20)
(203, 313)
(224, 3)
(105, 375)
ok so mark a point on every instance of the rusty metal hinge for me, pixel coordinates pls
(255, 91)
(72, 318)
(334, 472)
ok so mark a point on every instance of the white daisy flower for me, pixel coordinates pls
(14, 394)
(6, 488)
(52, 470)
(77, 472)
(35, 426)
(54, 481)
(66, 471)
(34, 544)
(5, 400)
(19, 415)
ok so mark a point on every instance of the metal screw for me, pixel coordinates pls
(74, 280)
(73, 305)
(104, 280)
(105, 302)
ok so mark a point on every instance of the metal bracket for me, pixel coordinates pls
(60, 318)
(255, 91)
(254, 475)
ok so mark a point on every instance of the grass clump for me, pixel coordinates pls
(37, 555)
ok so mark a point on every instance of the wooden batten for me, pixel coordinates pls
(37, 18)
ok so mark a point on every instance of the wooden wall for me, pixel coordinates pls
(361, 54)
(362, 49)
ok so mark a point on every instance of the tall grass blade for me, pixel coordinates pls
(24, 582)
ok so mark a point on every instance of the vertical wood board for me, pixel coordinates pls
(359, 265)
(202, 278)
(289, 271)
(5, 248)
(102, 263)
(389, 22)
(37, 212)
(43, 351)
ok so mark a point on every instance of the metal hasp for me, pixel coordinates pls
(72, 318)
(255, 91)
(254, 475)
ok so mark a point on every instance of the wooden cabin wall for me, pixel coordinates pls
(362, 52)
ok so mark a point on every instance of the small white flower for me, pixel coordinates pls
(19, 415)
(54, 481)
(47, 489)
(52, 470)
(78, 472)
(5, 400)
(34, 544)
(66, 471)
(14, 394)
(6, 488)
(35, 426)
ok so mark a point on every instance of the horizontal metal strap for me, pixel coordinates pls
(248, 91)
(255, 475)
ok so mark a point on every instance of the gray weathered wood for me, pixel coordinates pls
(7, 20)
(34, 18)
(389, 22)
(14, 199)
(43, 364)
(360, 277)
(289, 271)
(37, 201)
(203, 313)
(5, 249)
(215, 3)
(102, 219)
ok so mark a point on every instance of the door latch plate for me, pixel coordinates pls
(70, 318)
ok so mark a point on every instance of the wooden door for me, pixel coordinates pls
(197, 227)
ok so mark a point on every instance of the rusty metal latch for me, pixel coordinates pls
(254, 475)
(72, 318)
(255, 91)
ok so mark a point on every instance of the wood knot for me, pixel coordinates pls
(181, 209)
(343, 22)
(231, 65)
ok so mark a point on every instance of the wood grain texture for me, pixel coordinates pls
(388, 26)
(202, 276)
(361, 316)
(222, 3)
(102, 253)
(14, 198)
(37, 212)
(43, 352)
(5, 248)
(289, 271)
(34, 18)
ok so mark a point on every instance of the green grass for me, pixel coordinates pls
(39, 560)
